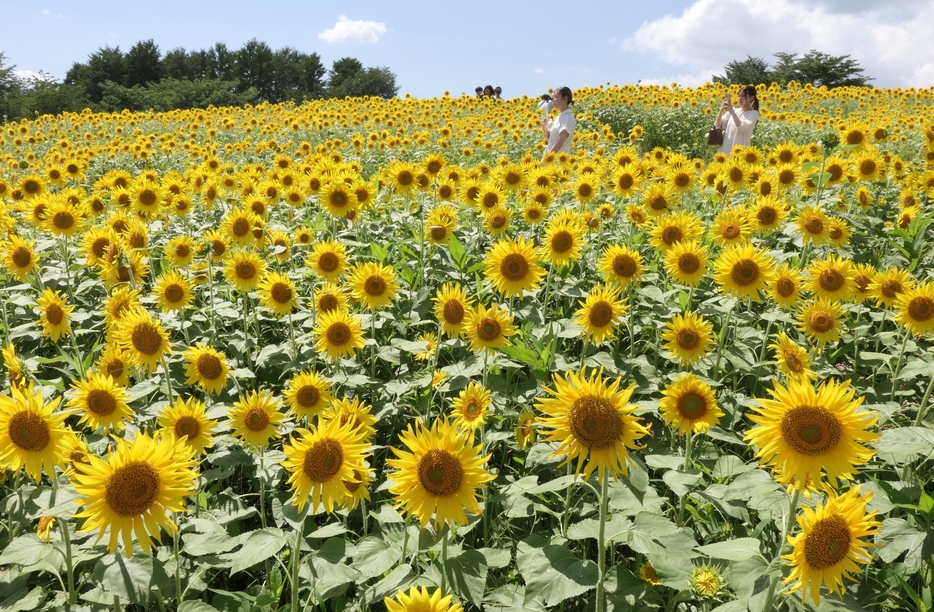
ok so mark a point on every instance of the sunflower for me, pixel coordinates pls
(831, 278)
(627, 180)
(620, 264)
(490, 196)
(14, 366)
(915, 308)
(563, 243)
(206, 367)
(338, 198)
(533, 212)
(172, 292)
(586, 187)
(803, 430)
(429, 342)
(812, 224)
(888, 284)
(143, 338)
(328, 259)
(659, 199)
(217, 243)
(102, 402)
(600, 312)
(244, 269)
(686, 263)
(794, 361)
(862, 279)
(134, 490)
(768, 214)
(688, 338)
(19, 257)
(673, 228)
(120, 303)
(338, 334)
(238, 226)
(819, 319)
(31, 435)
(147, 198)
(488, 328)
(255, 417)
(54, 314)
(32, 186)
(307, 393)
(401, 176)
(688, 404)
(373, 283)
(439, 473)
(418, 600)
(512, 266)
(785, 287)
(470, 407)
(180, 250)
(354, 411)
(277, 293)
(496, 220)
(115, 362)
(635, 213)
(97, 243)
(730, 227)
(680, 178)
(187, 421)
(451, 308)
(648, 574)
(62, 218)
(742, 270)
(870, 167)
(828, 548)
(706, 580)
(838, 232)
(328, 297)
(592, 420)
(322, 462)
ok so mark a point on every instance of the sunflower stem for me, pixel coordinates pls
(724, 331)
(898, 366)
(444, 558)
(786, 529)
(262, 488)
(211, 291)
(6, 324)
(69, 559)
(601, 543)
(292, 338)
(375, 348)
(688, 446)
(405, 539)
(924, 403)
(296, 563)
(178, 577)
(79, 363)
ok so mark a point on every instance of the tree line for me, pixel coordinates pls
(814, 67)
(142, 78)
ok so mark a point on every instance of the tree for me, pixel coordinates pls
(253, 67)
(144, 64)
(750, 71)
(106, 64)
(45, 96)
(220, 63)
(819, 69)
(10, 91)
(379, 82)
(342, 70)
(182, 65)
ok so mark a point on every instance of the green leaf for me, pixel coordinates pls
(378, 251)
(331, 530)
(553, 574)
(682, 483)
(729, 466)
(200, 544)
(131, 579)
(900, 537)
(458, 254)
(905, 443)
(196, 605)
(731, 550)
(259, 546)
(497, 557)
(466, 573)
(21, 599)
(374, 556)
(624, 587)
(616, 528)
(652, 534)
(510, 598)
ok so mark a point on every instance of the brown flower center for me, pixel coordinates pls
(792, 361)
(828, 543)
(745, 272)
(54, 314)
(21, 256)
(439, 233)
(338, 334)
(209, 366)
(63, 220)
(256, 419)
(338, 199)
(246, 270)
(440, 473)
(29, 431)
(831, 280)
(281, 293)
(187, 426)
(146, 339)
(601, 314)
(624, 266)
(147, 197)
(785, 287)
(514, 267)
(671, 235)
(562, 242)
(731, 231)
(241, 227)
(921, 308)
(595, 422)
(821, 321)
(692, 405)
(687, 339)
(891, 288)
(867, 167)
(375, 285)
(323, 460)
(453, 312)
(811, 431)
(471, 409)
(133, 488)
(327, 303)
(688, 263)
(489, 329)
(101, 402)
(308, 396)
(328, 262)
(786, 177)
(174, 293)
(658, 202)
(814, 225)
(625, 181)
(766, 215)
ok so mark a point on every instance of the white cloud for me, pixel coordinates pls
(49, 13)
(538, 71)
(28, 75)
(359, 31)
(893, 46)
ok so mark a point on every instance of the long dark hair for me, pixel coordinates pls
(750, 92)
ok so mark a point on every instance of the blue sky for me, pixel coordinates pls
(525, 47)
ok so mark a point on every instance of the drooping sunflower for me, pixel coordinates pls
(687, 337)
(512, 266)
(255, 417)
(243, 269)
(593, 422)
(356, 412)
(794, 361)
(819, 319)
(19, 257)
(601, 312)
(188, 421)
(785, 287)
(321, 463)
(489, 328)
(172, 292)
(143, 338)
(102, 402)
(802, 430)
(838, 232)
(373, 283)
(563, 243)
(328, 259)
(863, 274)
(887, 284)
(525, 430)
(307, 393)
(688, 404)
(831, 278)
(130, 268)
(828, 549)
(133, 492)
(470, 407)
(438, 476)
(206, 367)
(419, 600)
(914, 309)
(338, 334)
(686, 263)
(451, 307)
(31, 435)
(217, 245)
(54, 314)
(620, 264)
(658, 199)
(277, 293)
(743, 270)
(430, 345)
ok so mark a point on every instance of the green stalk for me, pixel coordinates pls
(898, 366)
(924, 402)
(687, 465)
(601, 544)
(178, 578)
(789, 521)
(724, 331)
(405, 538)
(296, 563)
(69, 558)
(444, 558)
(168, 379)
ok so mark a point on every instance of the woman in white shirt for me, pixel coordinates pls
(737, 127)
(560, 132)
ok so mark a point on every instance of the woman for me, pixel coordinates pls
(560, 132)
(737, 127)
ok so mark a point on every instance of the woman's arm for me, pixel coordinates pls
(545, 129)
(746, 125)
(562, 138)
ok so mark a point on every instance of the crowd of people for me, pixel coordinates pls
(489, 91)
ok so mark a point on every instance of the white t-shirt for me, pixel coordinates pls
(565, 122)
(738, 135)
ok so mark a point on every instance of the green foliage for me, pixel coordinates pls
(348, 78)
(683, 128)
(171, 94)
(750, 71)
(819, 69)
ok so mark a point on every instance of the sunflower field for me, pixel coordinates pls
(373, 354)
